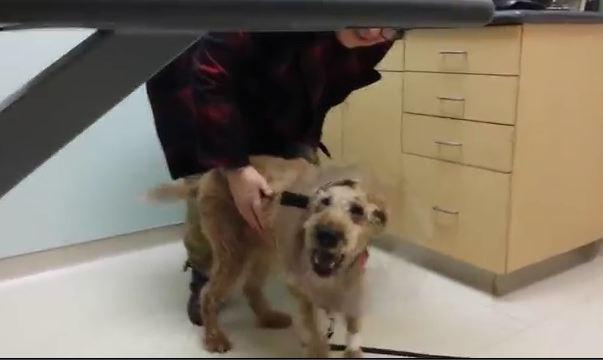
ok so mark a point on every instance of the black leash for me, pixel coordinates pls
(295, 200)
(382, 351)
(390, 352)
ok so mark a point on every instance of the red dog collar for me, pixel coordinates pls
(363, 258)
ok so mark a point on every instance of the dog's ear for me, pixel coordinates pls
(378, 217)
(378, 214)
(351, 183)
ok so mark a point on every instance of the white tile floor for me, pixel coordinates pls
(133, 305)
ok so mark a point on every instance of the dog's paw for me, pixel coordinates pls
(217, 342)
(274, 320)
(353, 354)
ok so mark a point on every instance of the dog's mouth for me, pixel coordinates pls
(325, 263)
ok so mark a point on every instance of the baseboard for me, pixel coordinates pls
(34, 263)
(504, 284)
(38, 262)
(483, 280)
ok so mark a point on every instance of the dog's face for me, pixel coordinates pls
(343, 219)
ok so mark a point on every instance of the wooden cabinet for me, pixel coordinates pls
(363, 116)
(557, 188)
(495, 138)
(372, 119)
(394, 60)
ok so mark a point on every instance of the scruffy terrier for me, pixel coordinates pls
(318, 224)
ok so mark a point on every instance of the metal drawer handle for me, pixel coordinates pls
(451, 98)
(449, 212)
(453, 52)
(447, 143)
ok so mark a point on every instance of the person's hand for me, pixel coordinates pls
(352, 38)
(248, 187)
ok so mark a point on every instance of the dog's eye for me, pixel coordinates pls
(326, 201)
(356, 210)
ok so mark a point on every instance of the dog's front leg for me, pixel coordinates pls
(353, 349)
(317, 344)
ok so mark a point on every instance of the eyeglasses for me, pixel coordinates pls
(392, 34)
(387, 34)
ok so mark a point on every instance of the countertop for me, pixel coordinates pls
(514, 17)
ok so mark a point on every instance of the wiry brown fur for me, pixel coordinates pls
(238, 250)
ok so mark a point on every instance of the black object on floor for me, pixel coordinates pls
(391, 352)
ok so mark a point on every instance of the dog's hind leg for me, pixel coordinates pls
(224, 274)
(229, 258)
(259, 269)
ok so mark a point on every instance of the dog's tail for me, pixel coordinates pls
(174, 191)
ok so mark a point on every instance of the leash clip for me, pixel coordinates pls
(331, 329)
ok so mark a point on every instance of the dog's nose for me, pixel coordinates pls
(327, 238)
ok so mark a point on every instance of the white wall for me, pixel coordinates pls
(93, 187)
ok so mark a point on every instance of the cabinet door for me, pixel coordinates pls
(332, 136)
(372, 120)
(394, 59)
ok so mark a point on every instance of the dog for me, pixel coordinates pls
(319, 225)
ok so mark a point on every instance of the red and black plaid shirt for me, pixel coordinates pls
(239, 94)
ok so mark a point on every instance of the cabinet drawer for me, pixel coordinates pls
(484, 145)
(490, 50)
(394, 60)
(473, 97)
(456, 210)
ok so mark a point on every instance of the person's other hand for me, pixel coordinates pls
(248, 187)
(352, 38)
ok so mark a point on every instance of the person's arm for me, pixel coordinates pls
(222, 137)
(216, 65)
